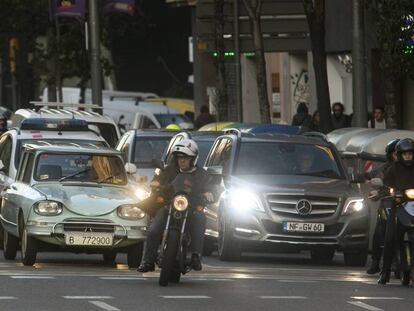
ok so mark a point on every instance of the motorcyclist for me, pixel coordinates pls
(380, 227)
(185, 154)
(398, 177)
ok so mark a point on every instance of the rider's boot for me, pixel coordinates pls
(375, 268)
(384, 277)
(405, 281)
(196, 262)
(146, 267)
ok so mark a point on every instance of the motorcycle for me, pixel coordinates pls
(404, 202)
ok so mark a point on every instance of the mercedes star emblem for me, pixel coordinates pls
(304, 207)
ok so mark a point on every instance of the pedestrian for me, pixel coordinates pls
(316, 121)
(378, 121)
(204, 118)
(302, 116)
(339, 118)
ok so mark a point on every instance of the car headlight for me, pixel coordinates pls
(409, 193)
(142, 194)
(48, 208)
(353, 206)
(130, 212)
(244, 200)
(180, 203)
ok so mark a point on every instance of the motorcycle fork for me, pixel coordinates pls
(182, 252)
(165, 236)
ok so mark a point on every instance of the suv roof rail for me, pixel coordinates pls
(65, 105)
(316, 135)
(233, 131)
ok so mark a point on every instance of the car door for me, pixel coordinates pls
(220, 155)
(6, 148)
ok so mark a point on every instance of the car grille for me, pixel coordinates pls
(88, 225)
(277, 228)
(285, 205)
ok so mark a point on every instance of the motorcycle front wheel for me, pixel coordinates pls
(169, 258)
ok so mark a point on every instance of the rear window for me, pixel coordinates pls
(281, 158)
(167, 119)
(108, 132)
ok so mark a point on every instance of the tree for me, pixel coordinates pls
(254, 10)
(315, 15)
(394, 21)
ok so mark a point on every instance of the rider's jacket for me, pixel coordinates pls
(399, 176)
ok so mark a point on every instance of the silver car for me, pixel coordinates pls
(72, 198)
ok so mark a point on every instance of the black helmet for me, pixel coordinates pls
(404, 145)
(390, 148)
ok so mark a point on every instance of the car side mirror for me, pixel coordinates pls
(215, 170)
(376, 182)
(130, 168)
(9, 124)
(157, 164)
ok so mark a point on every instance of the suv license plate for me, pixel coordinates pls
(303, 227)
(89, 239)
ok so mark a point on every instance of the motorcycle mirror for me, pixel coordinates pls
(376, 182)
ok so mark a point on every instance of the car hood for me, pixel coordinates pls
(296, 184)
(88, 200)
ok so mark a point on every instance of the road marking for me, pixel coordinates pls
(122, 278)
(364, 306)
(376, 298)
(37, 277)
(88, 297)
(208, 279)
(186, 297)
(7, 297)
(282, 297)
(298, 281)
(103, 305)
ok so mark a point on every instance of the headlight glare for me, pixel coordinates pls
(244, 200)
(48, 208)
(409, 193)
(180, 203)
(130, 212)
(353, 206)
(142, 194)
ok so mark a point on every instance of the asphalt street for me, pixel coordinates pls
(61, 281)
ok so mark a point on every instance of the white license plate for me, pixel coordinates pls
(303, 227)
(89, 239)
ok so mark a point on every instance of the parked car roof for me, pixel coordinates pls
(72, 148)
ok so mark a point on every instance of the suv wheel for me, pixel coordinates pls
(228, 246)
(29, 249)
(356, 258)
(322, 255)
(10, 245)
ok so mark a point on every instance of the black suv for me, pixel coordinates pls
(285, 192)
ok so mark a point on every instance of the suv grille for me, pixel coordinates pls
(282, 204)
(88, 225)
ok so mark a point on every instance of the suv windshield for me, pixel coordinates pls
(281, 158)
(147, 149)
(167, 119)
(80, 167)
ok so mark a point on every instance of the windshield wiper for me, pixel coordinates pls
(74, 174)
(108, 177)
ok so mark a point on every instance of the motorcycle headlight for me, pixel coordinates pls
(245, 200)
(142, 194)
(48, 208)
(353, 206)
(180, 203)
(130, 212)
(409, 193)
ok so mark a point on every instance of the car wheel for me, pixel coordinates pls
(29, 249)
(109, 258)
(228, 246)
(322, 255)
(134, 255)
(10, 245)
(356, 258)
(209, 247)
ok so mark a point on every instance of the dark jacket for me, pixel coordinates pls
(341, 122)
(399, 177)
(302, 119)
(203, 119)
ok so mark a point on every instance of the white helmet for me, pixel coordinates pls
(188, 147)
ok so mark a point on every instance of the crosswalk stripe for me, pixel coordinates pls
(364, 306)
(7, 297)
(282, 297)
(36, 277)
(122, 278)
(376, 298)
(88, 297)
(104, 306)
(187, 297)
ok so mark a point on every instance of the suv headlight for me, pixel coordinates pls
(48, 208)
(245, 200)
(353, 206)
(130, 212)
(180, 203)
(409, 193)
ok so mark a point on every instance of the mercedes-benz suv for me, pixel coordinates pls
(285, 192)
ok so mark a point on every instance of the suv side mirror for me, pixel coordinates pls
(376, 182)
(130, 168)
(215, 170)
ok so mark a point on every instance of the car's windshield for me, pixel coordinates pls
(167, 119)
(80, 167)
(55, 142)
(148, 148)
(282, 158)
